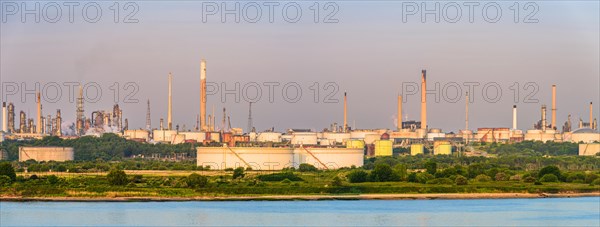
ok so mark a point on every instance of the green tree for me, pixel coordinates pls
(431, 167)
(550, 170)
(357, 176)
(549, 178)
(424, 177)
(382, 173)
(6, 169)
(238, 173)
(483, 178)
(195, 180)
(117, 177)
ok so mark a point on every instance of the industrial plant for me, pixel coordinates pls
(221, 146)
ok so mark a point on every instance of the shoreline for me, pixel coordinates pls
(448, 196)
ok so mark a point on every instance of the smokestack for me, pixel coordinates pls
(4, 120)
(39, 115)
(399, 112)
(345, 112)
(553, 107)
(467, 111)
(162, 124)
(591, 115)
(203, 95)
(58, 123)
(514, 117)
(544, 124)
(170, 107)
(423, 99)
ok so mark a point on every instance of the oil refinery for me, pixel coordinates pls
(222, 146)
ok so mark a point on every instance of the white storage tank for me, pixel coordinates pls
(337, 137)
(333, 158)
(58, 154)
(165, 136)
(305, 138)
(138, 134)
(197, 136)
(274, 137)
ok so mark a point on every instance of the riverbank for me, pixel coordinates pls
(447, 196)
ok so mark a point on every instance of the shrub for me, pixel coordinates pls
(483, 178)
(286, 181)
(412, 177)
(5, 181)
(529, 179)
(52, 179)
(590, 177)
(424, 177)
(117, 177)
(460, 180)
(440, 181)
(501, 177)
(195, 180)
(238, 173)
(550, 170)
(337, 181)
(304, 167)
(549, 178)
(6, 169)
(280, 176)
(595, 182)
(357, 176)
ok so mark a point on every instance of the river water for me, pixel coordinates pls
(489, 212)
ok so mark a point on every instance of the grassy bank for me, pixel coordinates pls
(222, 184)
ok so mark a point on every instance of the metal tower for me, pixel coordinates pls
(250, 118)
(148, 121)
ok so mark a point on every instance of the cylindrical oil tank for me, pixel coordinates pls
(333, 158)
(361, 134)
(432, 135)
(435, 130)
(59, 154)
(383, 148)
(442, 147)
(197, 136)
(325, 142)
(274, 137)
(355, 144)
(416, 149)
(305, 138)
(338, 137)
(371, 138)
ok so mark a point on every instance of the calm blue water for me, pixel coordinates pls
(498, 212)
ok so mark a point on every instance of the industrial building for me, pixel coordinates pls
(57, 154)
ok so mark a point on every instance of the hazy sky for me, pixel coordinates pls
(370, 52)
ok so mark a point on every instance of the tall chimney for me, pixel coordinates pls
(170, 110)
(544, 124)
(4, 120)
(162, 124)
(39, 115)
(514, 117)
(58, 123)
(467, 111)
(553, 107)
(399, 112)
(203, 95)
(423, 99)
(591, 115)
(345, 112)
